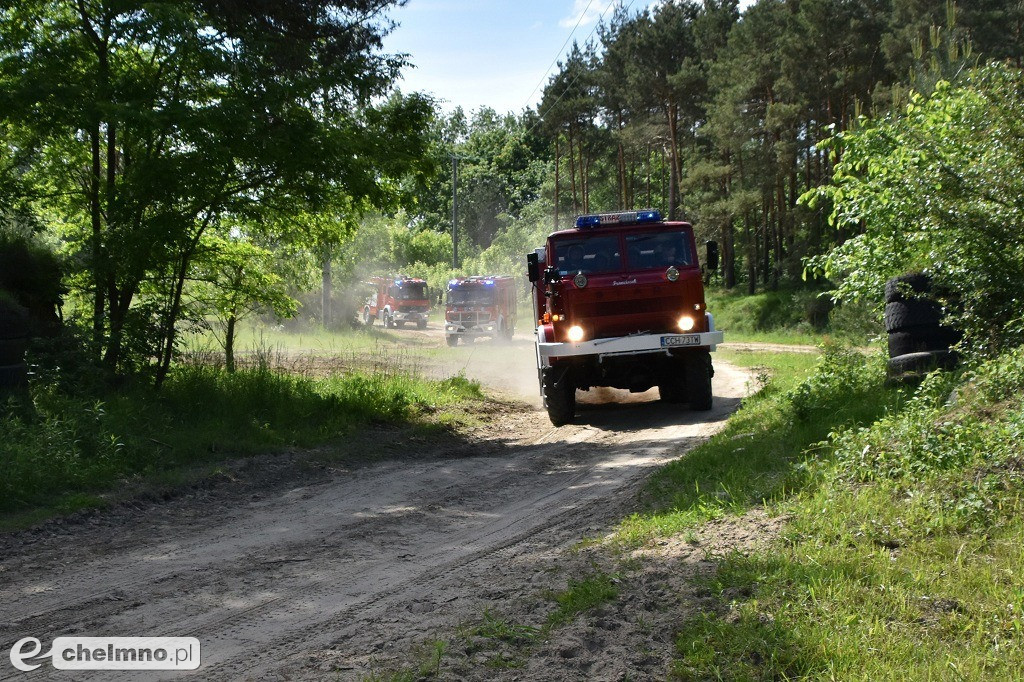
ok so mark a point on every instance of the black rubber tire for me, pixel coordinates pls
(559, 395)
(913, 283)
(452, 340)
(389, 322)
(673, 390)
(13, 321)
(921, 362)
(12, 351)
(367, 318)
(422, 324)
(922, 339)
(698, 381)
(13, 376)
(902, 315)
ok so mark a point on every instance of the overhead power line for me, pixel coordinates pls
(568, 87)
(557, 55)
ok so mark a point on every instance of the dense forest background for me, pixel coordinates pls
(189, 164)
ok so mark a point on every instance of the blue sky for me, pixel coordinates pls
(490, 52)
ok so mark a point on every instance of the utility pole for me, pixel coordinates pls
(455, 211)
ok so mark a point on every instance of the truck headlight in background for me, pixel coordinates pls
(580, 280)
(686, 323)
(575, 333)
(672, 274)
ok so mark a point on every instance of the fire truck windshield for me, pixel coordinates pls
(409, 291)
(470, 296)
(658, 250)
(588, 254)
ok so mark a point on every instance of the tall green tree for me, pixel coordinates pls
(150, 123)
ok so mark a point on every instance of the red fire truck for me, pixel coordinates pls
(619, 302)
(397, 300)
(480, 306)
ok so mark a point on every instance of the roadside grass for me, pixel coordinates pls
(60, 452)
(758, 458)
(428, 657)
(790, 316)
(582, 595)
(506, 644)
(903, 555)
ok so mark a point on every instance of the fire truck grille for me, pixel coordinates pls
(412, 309)
(470, 319)
(619, 308)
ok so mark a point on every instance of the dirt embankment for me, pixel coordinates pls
(288, 569)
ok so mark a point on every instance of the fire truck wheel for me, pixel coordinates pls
(673, 390)
(389, 323)
(698, 381)
(367, 317)
(508, 332)
(559, 395)
(421, 324)
(400, 325)
(452, 340)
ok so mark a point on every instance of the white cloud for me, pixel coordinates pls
(586, 12)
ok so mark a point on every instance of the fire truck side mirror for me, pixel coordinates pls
(712, 259)
(533, 266)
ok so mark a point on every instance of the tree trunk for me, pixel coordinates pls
(229, 343)
(673, 178)
(558, 163)
(98, 271)
(325, 297)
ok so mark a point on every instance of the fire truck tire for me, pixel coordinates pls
(389, 322)
(901, 315)
(452, 340)
(913, 363)
(12, 351)
(673, 390)
(559, 395)
(897, 288)
(508, 332)
(400, 325)
(13, 376)
(367, 318)
(698, 381)
(421, 324)
(921, 339)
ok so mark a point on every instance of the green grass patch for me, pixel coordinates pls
(583, 595)
(790, 316)
(759, 457)
(64, 452)
(903, 558)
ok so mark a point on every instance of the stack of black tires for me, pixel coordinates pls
(14, 326)
(918, 341)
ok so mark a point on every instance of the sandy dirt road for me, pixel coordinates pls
(311, 572)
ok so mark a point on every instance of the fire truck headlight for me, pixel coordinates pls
(672, 274)
(580, 280)
(575, 333)
(686, 323)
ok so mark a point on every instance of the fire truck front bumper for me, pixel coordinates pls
(410, 317)
(629, 345)
(456, 329)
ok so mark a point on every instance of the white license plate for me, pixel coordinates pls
(686, 340)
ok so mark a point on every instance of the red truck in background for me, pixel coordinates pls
(397, 300)
(480, 306)
(619, 302)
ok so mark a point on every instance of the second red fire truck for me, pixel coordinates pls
(480, 306)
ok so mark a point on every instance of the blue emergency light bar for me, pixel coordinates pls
(622, 218)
